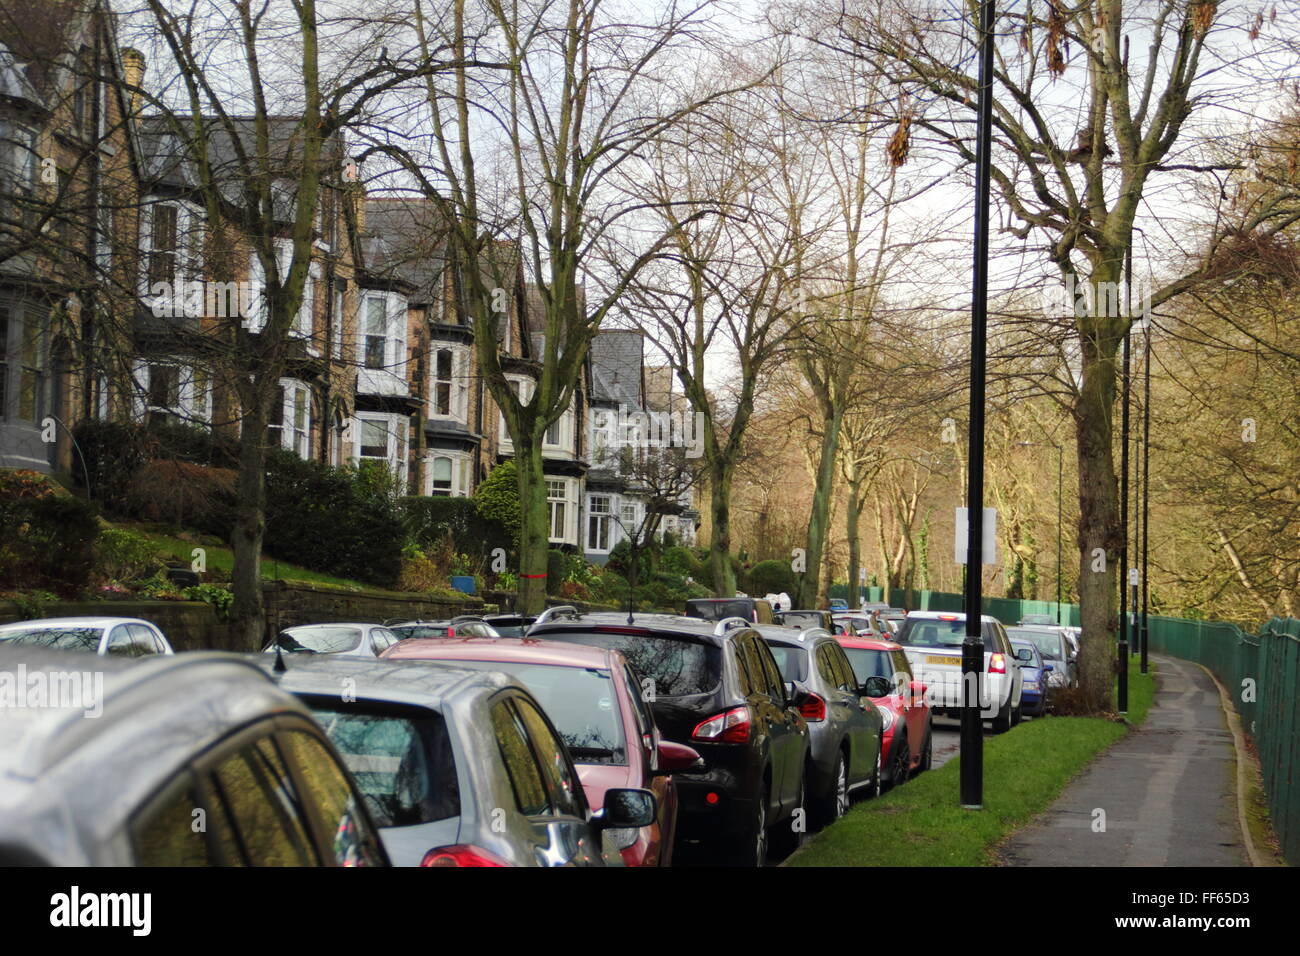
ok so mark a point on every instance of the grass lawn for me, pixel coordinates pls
(1025, 769)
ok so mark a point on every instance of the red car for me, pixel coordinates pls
(594, 700)
(902, 705)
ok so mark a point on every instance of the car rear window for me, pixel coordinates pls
(60, 638)
(869, 663)
(931, 632)
(799, 618)
(792, 661)
(1048, 643)
(403, 763)
(408, 631)
(678, 667)
(582, 703)
(321, 640)
(717, 610)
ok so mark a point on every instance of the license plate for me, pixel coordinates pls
(937, 659)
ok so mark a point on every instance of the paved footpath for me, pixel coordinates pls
(1168, 790)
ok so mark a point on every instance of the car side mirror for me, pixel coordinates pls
(627, 808)
(678, 758)
(1025, 654)
(877, 686)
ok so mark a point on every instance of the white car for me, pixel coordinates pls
(346, 639)
(118, 636)
(933, 641)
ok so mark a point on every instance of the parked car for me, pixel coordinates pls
(717, 688)
(345, 640)
(467, 625)
(509, 625)
(114, 636)
(203, 736)
(407, 630)
(461, 767)
(933, 642)
(803, 620)
(1035, 697)
(862, 623)
(884, 674)
(753, 610)
(838, 604)
(844, 726)
(594, 700)
(1055, 647)
(1029, 619)
(892, 618)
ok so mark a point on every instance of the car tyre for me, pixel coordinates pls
(751, 849)
(900, 760)
(927, 751)
(1002, 722)
(835, 803)
(877, 778)
(1016, 715)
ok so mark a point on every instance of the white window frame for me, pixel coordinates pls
(562, 428)
(525, 392)
(460, 473)
(187, 266)
(194, 401)
(605, 518)
(397, 436)
(292, 437)
(457, 384)
(567, 525)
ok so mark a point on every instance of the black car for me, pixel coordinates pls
(459, 767)
(753, 610)
(717, 688)
(174, 740)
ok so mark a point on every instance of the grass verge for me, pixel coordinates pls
(1025, 769)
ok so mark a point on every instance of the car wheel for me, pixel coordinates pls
(1016, 715)
(927, 752)
(752, 850)
(788, 835)
(1002, 722)
(835, 803)
(902, 757)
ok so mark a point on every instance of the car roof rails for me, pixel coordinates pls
(462, 618)
(565, 610)
(727, 624)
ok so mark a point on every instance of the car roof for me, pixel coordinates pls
(300, 627)
(959, 615)
(212, 691)
(414, 683)
(870, 643)
(504, 649)
(691, 627)
(1039, 628)
(73, 622)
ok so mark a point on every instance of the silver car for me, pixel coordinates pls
(1054, 644)
(114, 636)
(844, 728)
(344, 639)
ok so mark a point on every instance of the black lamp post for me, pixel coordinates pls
(1146, 489)
(972, 657)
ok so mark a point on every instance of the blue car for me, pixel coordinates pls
(839, 604)
(1034, 670)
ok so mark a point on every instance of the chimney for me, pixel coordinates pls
(133, 67)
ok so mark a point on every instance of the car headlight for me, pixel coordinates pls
(1031, 685)
(886, 718)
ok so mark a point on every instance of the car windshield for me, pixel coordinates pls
(859, 623)
(678, 667)
(791, 661)
(403, 764)
(1048, 642)
(59, 638)
(581, 702)
(320, 640)
(407, 631)
(931, 632)
(717, 610)
(868, 663)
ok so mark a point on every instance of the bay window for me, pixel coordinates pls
(598, 523)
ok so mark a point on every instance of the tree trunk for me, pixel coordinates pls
(247, 614)
(535, 527)
(821, 506)
(855, 549)
(724, 581)
(1098, 519)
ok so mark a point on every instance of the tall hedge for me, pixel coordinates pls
(428, 520)
(47, 539)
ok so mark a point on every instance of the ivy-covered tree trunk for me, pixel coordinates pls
(811, 582)
(248, 616)
(534, 527)
(720, 475)
(851, 519)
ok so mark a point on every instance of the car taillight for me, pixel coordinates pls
(461, 854)
(451, 632)
(814, 708)
(731, 727)
(997, 664)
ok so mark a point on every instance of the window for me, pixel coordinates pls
(449, 384)
(448, 475)
(374, 438)
(327, 786)
(598, 521)
(169, 834)
(163, 247)
(442, 375)
(290, 422)
(18, 169)
(562, 779)
(562, 504)
(383, 438)
(442, 481)
(559, 433)
(376, 338)
(531, 798)
(22, 364)
(256, 790)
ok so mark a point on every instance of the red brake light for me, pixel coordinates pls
(997, 664)
(814, 708)
(451, 631)
(730, 727)
(947, 617)
(461, 855)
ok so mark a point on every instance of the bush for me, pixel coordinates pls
(557, 563)
(428, 520)
(183, 494)
(677, 560)
(111, 453)
(497, 499)
(126, 556)
(46, 539)
(339, 521)
(771, 577)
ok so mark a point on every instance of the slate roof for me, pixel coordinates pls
(407, 237)
(616, 363)
(36, 37)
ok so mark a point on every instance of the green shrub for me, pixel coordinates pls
(497, 499)
(111, 453)
(677, 560)
(183, 494)
(126, 556)
(47, 539)
(771, 576)
(219, 597)
(428, 520)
